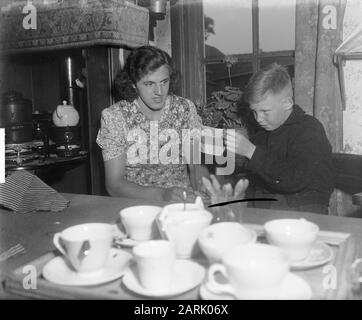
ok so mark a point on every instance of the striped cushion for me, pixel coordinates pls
(25, 192)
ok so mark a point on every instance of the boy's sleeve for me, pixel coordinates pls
(305, 153)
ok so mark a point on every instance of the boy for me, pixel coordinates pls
(290, 157)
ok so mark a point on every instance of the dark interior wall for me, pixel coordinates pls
(16, 76)
(35, 76)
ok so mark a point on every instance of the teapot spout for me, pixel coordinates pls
(199, 202)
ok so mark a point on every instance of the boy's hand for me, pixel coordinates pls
(239, 144)
(224, 193)
(218, 193)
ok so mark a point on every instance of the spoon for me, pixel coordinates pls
(185, 198)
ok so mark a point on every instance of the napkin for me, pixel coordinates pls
(24, 192)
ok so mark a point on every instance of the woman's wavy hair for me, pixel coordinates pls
(139, 63)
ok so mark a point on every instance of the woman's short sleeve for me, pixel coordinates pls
(112, 137)
(194, 119)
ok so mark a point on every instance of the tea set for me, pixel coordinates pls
(171, 250)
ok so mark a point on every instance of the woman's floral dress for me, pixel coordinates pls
(153, 148)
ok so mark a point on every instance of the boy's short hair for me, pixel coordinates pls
(273, 78)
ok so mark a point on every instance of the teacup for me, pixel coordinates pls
(86, 246)
(155, 264)
(217, 238)
(182, 224)
(254, 271)
(294, 236)
(139, 221)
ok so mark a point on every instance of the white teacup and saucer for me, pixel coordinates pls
(87, 257)
(157, 273)
(254, 272)
(298, 238)
(293, 288)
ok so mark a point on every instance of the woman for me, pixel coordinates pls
(140, 131)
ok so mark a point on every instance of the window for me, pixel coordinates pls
(241, 36)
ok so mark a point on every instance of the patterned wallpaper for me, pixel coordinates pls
(352, 116)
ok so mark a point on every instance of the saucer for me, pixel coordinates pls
(122, 240)
(188, 275)
(293, 288)
(320, 254)
(125, 242)
(58, 271)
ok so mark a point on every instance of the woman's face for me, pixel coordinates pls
(152, 89)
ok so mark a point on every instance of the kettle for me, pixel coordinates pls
(182, 224)
(14, 109)
(65, 115)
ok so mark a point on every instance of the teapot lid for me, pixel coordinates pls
(196, 206)
(65, 104)
(176, 210)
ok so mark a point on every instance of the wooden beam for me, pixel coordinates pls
(255, 31)
(187, 29)
(248, 57)
(99, 83)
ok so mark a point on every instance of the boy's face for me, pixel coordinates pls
(272, 111)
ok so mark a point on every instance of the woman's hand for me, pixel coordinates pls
(196, 174)
(174, 194)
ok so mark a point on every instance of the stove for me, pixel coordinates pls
(20, 153)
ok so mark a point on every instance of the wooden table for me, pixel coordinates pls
(35, 230)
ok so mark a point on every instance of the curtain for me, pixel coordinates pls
(318, 33)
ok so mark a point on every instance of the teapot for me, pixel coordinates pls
(65, 115)
(182, 224)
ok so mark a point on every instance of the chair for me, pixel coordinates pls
(348, 172)
(349, 176)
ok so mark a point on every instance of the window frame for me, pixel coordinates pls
(257, 54)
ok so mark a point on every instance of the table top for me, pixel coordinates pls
(35, 230)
